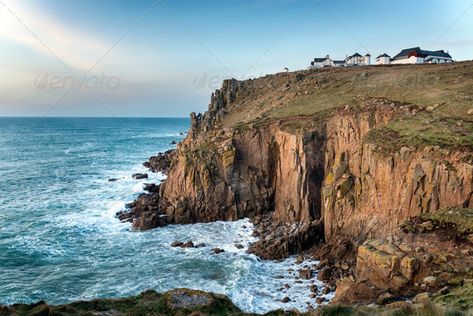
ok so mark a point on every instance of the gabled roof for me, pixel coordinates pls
(354, 55)
(338, 61)
(368, 55)
(421, 53)
(383, 55)
(319, 60)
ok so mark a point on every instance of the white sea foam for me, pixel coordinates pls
(87, 252)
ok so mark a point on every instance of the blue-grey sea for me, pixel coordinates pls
(60, 240)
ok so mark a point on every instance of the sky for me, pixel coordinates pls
(164, 58)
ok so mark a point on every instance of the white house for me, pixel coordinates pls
(418, 56)
(322, 62)
(383, 59)
(358, 60)
(353, 60)
(406, 56)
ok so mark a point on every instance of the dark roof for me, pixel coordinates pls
(383, 55)
(354, 55)
(319, 60)
(338, 61)
(421, 53)
(368, 55)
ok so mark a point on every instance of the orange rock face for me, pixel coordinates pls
(327, 172)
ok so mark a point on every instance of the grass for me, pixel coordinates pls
(461, 297)
(435, 309)
(147, 303)
(309, 93)
(423, 130)
(458, 221)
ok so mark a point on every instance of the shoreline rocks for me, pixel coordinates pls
(140, 176)
(280, 240)
(161, 162)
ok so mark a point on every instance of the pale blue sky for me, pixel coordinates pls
(177, 54)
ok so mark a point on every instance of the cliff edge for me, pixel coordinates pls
(356, 150)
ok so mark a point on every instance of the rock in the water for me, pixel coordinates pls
(239, 246)
(325, 274)
(177, 243)
(188, 244)
(112, 180)
(217, 250)
(305, 274)
(286, 300)
(139, 176)
(326, 291)
(313, 288)
(151, 187)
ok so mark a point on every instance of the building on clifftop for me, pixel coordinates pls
(416, 55)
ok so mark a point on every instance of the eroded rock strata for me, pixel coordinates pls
(358, 165)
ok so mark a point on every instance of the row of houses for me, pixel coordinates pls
(414, 55)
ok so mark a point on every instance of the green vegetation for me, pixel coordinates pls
(440, 94)
(402, 309)
(460, 297)
(423, 130)
(147, 303)
(458, 221)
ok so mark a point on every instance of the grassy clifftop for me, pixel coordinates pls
(441, 95)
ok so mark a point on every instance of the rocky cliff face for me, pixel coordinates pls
(367, 192)
(309, 168)
(327, 172)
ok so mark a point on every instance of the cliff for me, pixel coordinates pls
(357, 150)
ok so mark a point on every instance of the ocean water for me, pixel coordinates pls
(60, 240)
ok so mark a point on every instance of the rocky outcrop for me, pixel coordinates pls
(369, 194)
(174, 302)
(278, 240)
(321, 168)
(161, 162)
(426, 261)
(144, 212)
(327, 172)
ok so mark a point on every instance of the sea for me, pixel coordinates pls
(60, 240)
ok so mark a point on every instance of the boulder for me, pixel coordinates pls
(385, 298)
(422, 298)
(139, 176)
(325, 274)
(431, 281)
(177, 243)
(188, 244)
(217, 250)
(306, 274)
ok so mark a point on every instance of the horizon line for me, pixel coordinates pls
(113, 117)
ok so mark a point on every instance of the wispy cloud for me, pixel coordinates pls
(77, 49)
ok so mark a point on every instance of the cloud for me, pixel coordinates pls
(75, 48)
